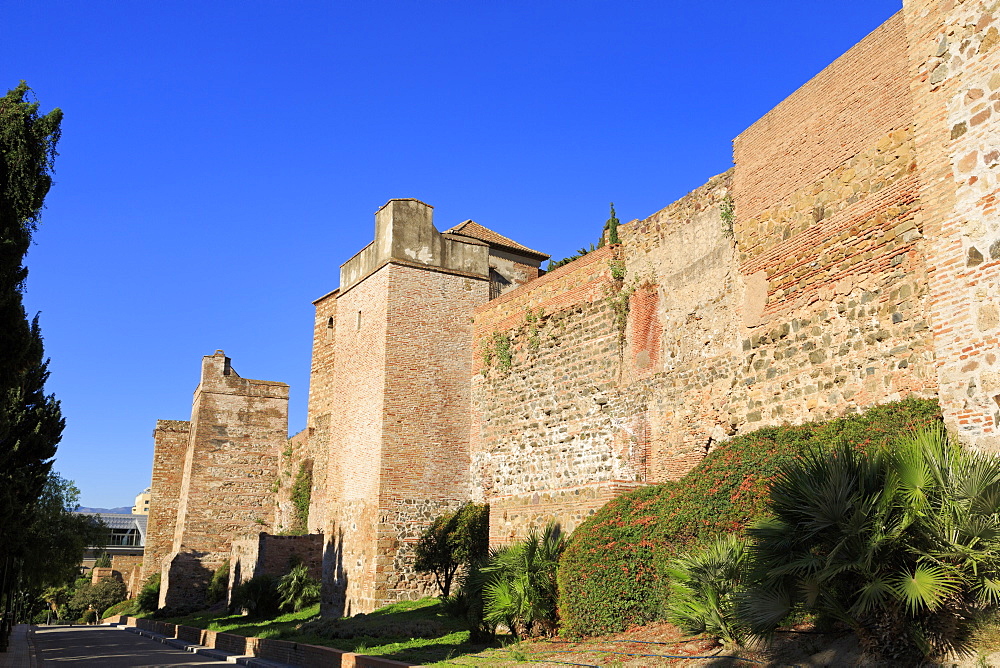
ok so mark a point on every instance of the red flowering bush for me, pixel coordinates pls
(611, 575)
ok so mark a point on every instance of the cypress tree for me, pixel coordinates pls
(612, 227)
(31, 423)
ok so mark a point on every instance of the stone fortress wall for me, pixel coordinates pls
(859, 266)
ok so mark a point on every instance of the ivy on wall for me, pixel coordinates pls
(301, 497)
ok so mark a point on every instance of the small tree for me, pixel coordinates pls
(106, 593)
(612, 227)
(453, 540)
(103, 560)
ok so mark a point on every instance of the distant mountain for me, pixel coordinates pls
(124, 510)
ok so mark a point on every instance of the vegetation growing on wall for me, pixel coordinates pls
(498, 352)
(555, 264)
(612, 574)
(533, 321)
(728, 213)
(302, 497)
(610, 227)
(619, 294)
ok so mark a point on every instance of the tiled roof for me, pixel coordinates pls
(474, 230)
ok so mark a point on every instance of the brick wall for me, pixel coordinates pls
(812, 306)
(840, 112)
(129, 568)
(954, 60)
(266, 554)
(170, 441)
(355, 446)
(425, 449)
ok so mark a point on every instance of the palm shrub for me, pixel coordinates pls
(520, 589)
(704, 586)
(297, 590)
(902, 545)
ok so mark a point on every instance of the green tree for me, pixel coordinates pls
(901, 545)
(30, 421)
(56, 538)
(453, 540)
(100, 596)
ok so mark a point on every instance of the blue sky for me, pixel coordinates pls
(220, 160)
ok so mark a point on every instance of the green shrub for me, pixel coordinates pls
(467, 603)
(218, 587)
(258, 596)
(89, 617)
(613, 573)
(149, 596)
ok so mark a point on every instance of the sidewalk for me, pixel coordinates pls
(18, 654)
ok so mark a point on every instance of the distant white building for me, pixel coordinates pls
(141, 506)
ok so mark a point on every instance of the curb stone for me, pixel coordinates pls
(218, 655)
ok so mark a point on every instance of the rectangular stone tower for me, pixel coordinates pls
(237, 430)
(392, 359)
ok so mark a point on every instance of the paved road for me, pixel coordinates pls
(104, 646)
